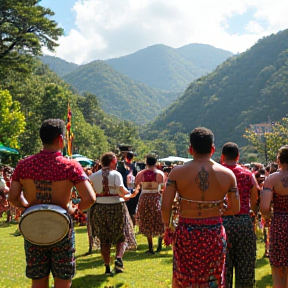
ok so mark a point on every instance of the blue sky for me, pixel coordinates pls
(103, 29)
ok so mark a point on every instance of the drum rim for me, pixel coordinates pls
(46, 210)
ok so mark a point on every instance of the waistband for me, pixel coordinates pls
(145, 191)
(108, 195)
(201, 221)
(236, 216)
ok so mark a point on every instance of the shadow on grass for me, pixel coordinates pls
(266, 281)
(89, 262)
(80, 229)
(93, 281)
(262, 262)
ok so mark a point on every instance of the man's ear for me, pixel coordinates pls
(213, 149)
(237, 159)
(190, 150)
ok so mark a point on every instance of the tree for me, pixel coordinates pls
(12, 120)
(25, 28)
(268, 143)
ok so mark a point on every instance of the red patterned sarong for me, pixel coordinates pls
(199, 252)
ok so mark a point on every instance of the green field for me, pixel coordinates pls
(141, 269)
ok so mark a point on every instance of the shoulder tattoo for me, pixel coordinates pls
(284, 181)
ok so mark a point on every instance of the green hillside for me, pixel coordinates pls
(245, 89)
(59, 66)
(170, 69)
(118, 94)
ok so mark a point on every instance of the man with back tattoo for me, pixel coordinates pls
(199, 240)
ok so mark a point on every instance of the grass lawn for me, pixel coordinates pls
(141, 270)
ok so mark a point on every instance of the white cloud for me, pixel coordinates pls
(109, 28)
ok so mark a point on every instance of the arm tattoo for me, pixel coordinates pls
(171, 183)
(234, 190)
(203, 180)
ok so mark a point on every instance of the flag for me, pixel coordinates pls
(69, 133)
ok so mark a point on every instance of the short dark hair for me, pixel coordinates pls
(283, 154)
(107, 158)
(129, 155)
(151, 159)
(51, 129)
(230, 150)
(201, 140)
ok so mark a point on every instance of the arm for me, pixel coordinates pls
(87, 194)
(168, 199)
(16, 196)
(254, 198)
(233, 195)
(266, 198)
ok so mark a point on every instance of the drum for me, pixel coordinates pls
(44, 224)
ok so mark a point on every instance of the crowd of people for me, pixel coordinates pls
(207, 211)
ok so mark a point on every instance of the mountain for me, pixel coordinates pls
(170, 69)
(118, 94)
(58, 65)
(246, 89)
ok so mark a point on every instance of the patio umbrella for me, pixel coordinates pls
(8, 150)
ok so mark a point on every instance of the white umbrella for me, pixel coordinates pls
(174, 159)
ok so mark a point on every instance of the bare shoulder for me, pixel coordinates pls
(273, 177)
(176, 171)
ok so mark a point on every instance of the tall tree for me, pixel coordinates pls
(25, 28)
(12, 120)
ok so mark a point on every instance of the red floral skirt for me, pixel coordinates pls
(199, 252)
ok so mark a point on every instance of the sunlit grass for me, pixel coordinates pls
(141, 269)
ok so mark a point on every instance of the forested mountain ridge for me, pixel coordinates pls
(119, 95)
(246, 89)
(170, 69)
(58, 65)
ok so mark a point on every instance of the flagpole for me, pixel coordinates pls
(69, 133)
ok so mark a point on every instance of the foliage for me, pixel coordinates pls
(59, 66)
(12, 120)
(268, 143)
(246, 89)
(118, 95)
(25, 27)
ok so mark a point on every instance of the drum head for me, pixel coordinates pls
(45, 227)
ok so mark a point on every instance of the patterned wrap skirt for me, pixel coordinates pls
(199, 252)
(241, 251)
(149, 217)
(111, 224)
(278, 249)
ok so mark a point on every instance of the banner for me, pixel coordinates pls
(69, 133)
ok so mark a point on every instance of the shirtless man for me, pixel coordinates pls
(275, 190)
(48, 177)
(199, 239)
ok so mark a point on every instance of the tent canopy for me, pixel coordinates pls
(7, 150)
(174, 159)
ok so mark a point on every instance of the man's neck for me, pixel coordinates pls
(51, 148)
(230, 162)
(201, 157)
